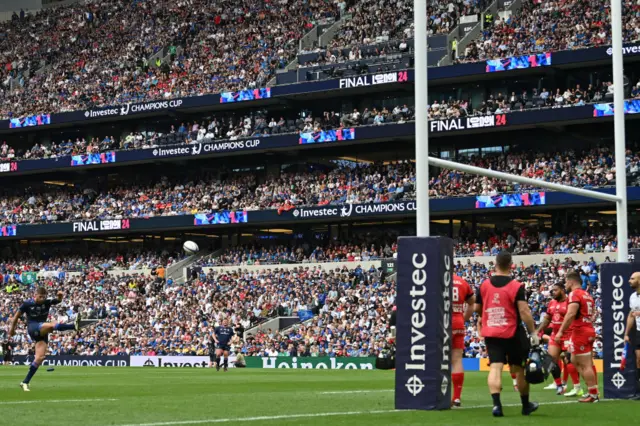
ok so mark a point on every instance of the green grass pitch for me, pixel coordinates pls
(165, 397)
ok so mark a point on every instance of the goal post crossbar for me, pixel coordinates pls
(433, 161)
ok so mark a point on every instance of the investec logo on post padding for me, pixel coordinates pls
(207, 148)
(619, 318)
(129, 108)
(318, 363)
(349, 210)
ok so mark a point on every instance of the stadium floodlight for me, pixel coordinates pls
(619, 131)
(422, 117)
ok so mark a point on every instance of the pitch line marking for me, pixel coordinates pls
(51, 401)
(355, 391)
(312, 415)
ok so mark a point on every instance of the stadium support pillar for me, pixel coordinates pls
(422, 125)
(423, 323)
(619, 131)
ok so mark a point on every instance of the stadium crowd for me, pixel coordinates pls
(163, 197)
(547, 26)
(371, 183)
(348, 309)
(499, 103)
(98, 53)
(12, 264)
(377, 23)
(303, 253)
(219, 127)
(590, 169)
(144, 315)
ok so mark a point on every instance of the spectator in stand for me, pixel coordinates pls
(548, 26)
(114, 51)
(344, 184)
(332, 252)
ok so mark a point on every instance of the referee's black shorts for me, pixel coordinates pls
(513, 351)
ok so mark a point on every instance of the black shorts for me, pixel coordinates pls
(33, 328)
(224, 347)
(8, 356)
(513, 351)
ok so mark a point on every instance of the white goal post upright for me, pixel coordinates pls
(619, 131)
(425, 264)
(422, 135)
(422, 117)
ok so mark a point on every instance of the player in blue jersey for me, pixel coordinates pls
(222, 336)
(37, 312)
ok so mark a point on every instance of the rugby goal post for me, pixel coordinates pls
(423, 327)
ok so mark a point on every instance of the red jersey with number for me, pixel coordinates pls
(461, 292)
(584, 318)
(557, 310)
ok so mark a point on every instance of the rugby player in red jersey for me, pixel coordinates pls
(462, 294)
(580, 318)
(554, 317)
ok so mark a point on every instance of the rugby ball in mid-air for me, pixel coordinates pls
(190, 247)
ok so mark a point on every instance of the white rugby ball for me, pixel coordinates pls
(190, 247)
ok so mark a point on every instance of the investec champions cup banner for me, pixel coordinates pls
(170, 361)
(76, 361)
(616, 292)
(423, 323)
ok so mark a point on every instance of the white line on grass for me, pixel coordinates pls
(50, 401)
(311, 415)
(355, 391)
(262, 418)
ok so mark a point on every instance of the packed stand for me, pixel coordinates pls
(538, 279)
(136, 310)
(349, 310)
(548, 26)
(27, 261)
(317, 186)
(532, 240)
(352, 319)
(377, 29)
(589, 169)
(97, 54)
(258, 124)
(303, 253)
(375, 21)
(163, 197)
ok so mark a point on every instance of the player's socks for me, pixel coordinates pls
(575, 377)
(64, 327)
(218, 363)
(33, 368)
(226, 363)
(497, 405)
(515, 381)
(458, 381)
(565, 373)
(561, 367)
